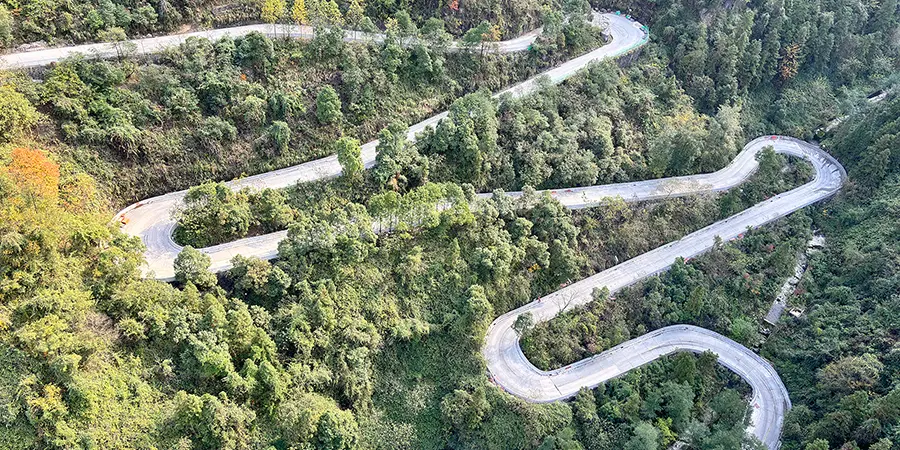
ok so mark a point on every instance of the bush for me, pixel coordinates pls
(17, 114)
(271, 210)
(214, 134)
(251, 112)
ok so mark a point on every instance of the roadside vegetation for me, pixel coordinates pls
(724, 290)
(600, 128)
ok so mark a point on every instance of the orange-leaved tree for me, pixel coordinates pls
(36, 176)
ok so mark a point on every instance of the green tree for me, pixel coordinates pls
(257, 52)
(119, 39)
(729, 409)
(886, 16)
(467, 137)
(676, 149)
(851, 373)
(646, 437)
(211, 422)
(818, 444)
(258, 282)
(564, 440)
(280, 136)
(212, 213)
(397, 162)
(270, 388)
(405, 24)
(523, 323)
(685, 367)
(349, 155)
(192, 266)
(285, 106)
(678, 399)
(475, 316)
(743, 330)
(5, 27)
(356, 14)
(464, 410)
(585, 406)
(270, 209)
(328, 106)
(337, 430)
(481, 35)
(434, 32)
(664, 426)
(325, 13)
(804, 106)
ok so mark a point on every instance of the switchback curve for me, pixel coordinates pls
(152, 221)
(511, 370)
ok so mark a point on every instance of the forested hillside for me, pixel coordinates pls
(357, 339)
(217, 110)
(792, 63)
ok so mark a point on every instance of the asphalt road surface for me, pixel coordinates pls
(152, 221)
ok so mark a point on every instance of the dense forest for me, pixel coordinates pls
(357, 339)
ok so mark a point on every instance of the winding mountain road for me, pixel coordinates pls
(152, 221)
(511, 370)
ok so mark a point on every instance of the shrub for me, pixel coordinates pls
(18, 115)
(213, 134)
(280, 136)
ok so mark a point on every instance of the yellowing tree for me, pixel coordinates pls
(299, 12)
(272, 10)
(790, 62)
(356, 12)
(34, 174)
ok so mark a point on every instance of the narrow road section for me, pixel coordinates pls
(787, 289)
(148, 46)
